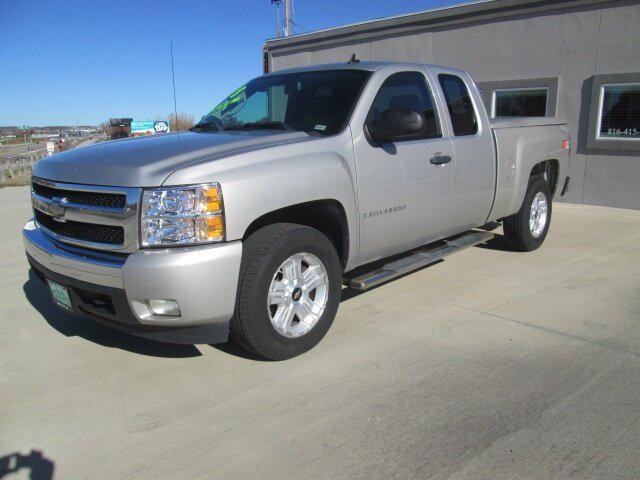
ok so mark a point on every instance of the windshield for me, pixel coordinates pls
(313, 102)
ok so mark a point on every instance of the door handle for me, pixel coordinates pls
(439, 159)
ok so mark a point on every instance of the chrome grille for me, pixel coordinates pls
(95, 199)
(88, 232)
(102, 218)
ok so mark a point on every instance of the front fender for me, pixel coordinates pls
(259, 182)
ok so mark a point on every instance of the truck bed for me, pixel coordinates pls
(520, 144)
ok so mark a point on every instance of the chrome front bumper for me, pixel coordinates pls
(203, 279)
(48, 254)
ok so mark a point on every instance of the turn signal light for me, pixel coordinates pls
(211, 228)
(213, 202)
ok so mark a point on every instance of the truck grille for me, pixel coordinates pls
(88, 232)
(102, 218)
(95, 199)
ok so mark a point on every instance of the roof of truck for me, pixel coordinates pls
(367, 66)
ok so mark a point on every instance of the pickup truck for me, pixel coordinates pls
(300, 183)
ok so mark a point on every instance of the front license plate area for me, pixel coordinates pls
(60, 295)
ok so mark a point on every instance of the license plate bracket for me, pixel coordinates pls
(60, 295)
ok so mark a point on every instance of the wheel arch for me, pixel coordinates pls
(327, 216)
(549, 169)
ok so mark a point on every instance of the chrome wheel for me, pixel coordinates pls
(298, 294)
(538, 214)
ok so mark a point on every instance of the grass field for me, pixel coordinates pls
(17, 181)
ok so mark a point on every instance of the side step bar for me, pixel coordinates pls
(419, 259)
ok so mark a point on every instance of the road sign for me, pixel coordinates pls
(24, 127)
(161, 126)
(149, 127)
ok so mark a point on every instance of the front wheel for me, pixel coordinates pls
(527, 229)
(288, 292)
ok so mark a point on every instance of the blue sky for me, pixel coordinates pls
(68, 61)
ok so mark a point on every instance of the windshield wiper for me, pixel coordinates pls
(260, 126)
(207, 127)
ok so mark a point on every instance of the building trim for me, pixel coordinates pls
(457, 15)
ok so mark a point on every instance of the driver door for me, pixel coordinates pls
(405, 187)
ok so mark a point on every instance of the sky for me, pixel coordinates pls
(68, 62)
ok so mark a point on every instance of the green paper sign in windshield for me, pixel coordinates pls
(236, 97)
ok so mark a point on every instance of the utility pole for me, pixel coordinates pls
(287, 18)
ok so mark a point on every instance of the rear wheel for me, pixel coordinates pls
(527, 229)
(288, 292)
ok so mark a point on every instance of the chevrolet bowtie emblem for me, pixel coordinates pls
(57, 208)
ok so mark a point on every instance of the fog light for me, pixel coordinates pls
(164, 307)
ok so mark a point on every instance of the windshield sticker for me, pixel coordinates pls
(235, 97)
(320, 128)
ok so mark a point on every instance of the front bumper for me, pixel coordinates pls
(114, 289)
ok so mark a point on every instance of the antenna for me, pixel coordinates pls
(173, 78)
(277, 4)
(286, 29)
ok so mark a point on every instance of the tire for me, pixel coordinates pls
(268, 260)
(521, 231)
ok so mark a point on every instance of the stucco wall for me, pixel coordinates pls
(571, 45)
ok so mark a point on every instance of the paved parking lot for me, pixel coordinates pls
(491, 364)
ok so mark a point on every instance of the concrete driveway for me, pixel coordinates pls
(491, 364)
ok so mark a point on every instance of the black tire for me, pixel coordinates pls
(517, 234)
(263, 253)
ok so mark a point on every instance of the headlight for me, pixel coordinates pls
(182, 215)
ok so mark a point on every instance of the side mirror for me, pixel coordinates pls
(397, 124)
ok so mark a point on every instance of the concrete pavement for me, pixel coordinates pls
(491, 364)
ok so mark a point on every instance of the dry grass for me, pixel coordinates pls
(17, 181)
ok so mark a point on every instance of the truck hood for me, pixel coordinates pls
(148, 161)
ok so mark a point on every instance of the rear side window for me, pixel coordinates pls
(407, 90)
(461, 111)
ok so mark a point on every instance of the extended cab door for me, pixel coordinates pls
(475, 174)
(405, 187)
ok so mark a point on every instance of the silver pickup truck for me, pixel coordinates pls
(297, 184)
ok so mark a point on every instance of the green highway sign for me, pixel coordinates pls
(24, 127)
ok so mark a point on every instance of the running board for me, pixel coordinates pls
(419, 259)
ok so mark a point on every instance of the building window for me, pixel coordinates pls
(522, 102)
(527, 97)
(619, 111)
(614, 114)
(461, 111)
